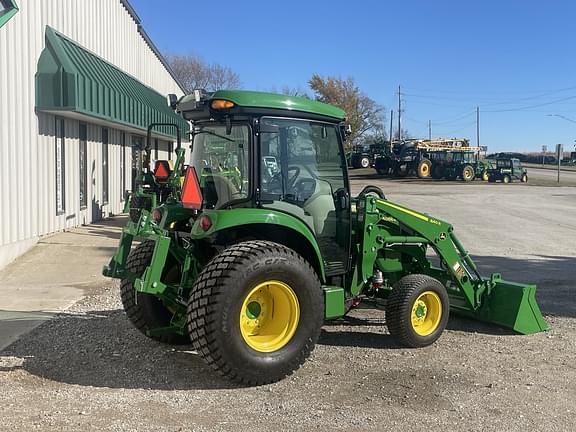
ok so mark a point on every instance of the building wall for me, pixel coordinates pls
(27, 138)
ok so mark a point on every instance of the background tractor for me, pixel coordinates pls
(248, 268)
(420, 157)
(364, 156)
(508, 170)
(459, 163)
(154, 186)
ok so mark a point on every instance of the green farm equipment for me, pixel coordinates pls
(508, 170)
(248, 269)
(154, 186)
(460, 163)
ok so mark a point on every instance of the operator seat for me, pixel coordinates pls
(320, 205)
(219, 190)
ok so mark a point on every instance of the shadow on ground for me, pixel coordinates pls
(553, 275)
(101, 349)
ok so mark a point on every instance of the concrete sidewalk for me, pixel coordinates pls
(56, 273)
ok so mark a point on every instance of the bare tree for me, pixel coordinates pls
(290, 91)
(195, 73)
(364, 115)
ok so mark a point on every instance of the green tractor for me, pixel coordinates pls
(248, 270)
(459, 163)
(154, 186)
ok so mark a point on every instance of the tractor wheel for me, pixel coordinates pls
(467, 173)
(255, 312)
(506, 179)
(137, 203)
(524, 178)
(364, 162)
(437, 172)
(424, 168)
(401, 171)
(417, 310)
(485, 176)
(146, 311)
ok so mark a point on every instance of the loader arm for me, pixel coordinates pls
(390, 230)
(420, 229)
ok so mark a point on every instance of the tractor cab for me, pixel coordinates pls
(279, 160)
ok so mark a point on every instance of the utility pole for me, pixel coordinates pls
(399, 114)
(391, 123)
(477, 127)
(429, 130)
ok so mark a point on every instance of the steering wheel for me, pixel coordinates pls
(276, 180)
(372, 190)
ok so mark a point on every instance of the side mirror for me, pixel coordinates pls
(172, 100)
(345, 130)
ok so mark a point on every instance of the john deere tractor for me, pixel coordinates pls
(248, 269)
(154, 186)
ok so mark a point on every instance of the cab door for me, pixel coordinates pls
(308, 179)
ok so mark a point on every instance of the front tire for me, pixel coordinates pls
(417, 310)
(230, 316)
(524, 178)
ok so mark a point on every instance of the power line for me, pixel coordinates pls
(530, 106)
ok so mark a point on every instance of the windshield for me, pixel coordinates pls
(221, 162)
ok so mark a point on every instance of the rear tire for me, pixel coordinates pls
(506, 179)
(227, 312)
(146, 311)
(364, 162)
(424, 168)
(417, 310)
(137, 203)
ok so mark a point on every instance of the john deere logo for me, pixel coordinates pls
(442, 236)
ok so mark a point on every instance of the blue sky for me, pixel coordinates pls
(514, 59)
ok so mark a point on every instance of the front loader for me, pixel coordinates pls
(248, 269)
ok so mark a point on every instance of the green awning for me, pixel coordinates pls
(72, 79)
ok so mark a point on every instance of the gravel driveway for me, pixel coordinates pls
(89, 369)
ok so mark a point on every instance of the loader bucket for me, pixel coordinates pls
(512, 305)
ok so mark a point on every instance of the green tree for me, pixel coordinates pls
(364, 115)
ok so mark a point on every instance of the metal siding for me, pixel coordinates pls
(27, 141)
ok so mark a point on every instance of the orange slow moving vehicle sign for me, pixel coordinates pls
(162, 170)
(191, 192)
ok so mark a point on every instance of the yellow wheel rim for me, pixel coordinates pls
(426, 313)
(269, 316)
(485, 176)
(467, 174)
(424, 170)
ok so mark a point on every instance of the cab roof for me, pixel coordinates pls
(252, 99)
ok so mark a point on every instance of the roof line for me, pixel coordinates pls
(150, 43)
